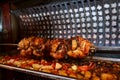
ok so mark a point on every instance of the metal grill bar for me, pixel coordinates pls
(117, 32)
(103, 32)
(109, 2)
(97, 40)
(91, 21)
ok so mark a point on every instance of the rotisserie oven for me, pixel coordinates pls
(66, 40)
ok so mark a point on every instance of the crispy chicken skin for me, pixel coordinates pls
(78, 47)
(31, 46)
(58, 48)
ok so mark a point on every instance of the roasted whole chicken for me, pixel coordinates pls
(75, 47)
(58, 48)
(32, 46)
(79, 47)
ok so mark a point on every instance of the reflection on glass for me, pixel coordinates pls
(0, 27)
(0, 20)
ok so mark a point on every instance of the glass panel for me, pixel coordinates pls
(0, 20)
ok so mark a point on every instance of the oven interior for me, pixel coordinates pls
(96, 20)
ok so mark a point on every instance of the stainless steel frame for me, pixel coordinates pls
(36, 73)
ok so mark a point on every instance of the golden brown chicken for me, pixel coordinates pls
(78, 47)
(38, 46)
(31, 46)
(58, 48)
(25, 46)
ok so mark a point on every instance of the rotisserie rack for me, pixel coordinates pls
(67, 59)
(65, 40)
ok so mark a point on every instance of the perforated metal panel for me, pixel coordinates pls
(96, 20)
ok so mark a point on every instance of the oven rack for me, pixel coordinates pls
(36, 73)
(48, 75)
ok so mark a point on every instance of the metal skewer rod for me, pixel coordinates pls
(107, 48)
(8, 44)
(97, 48)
